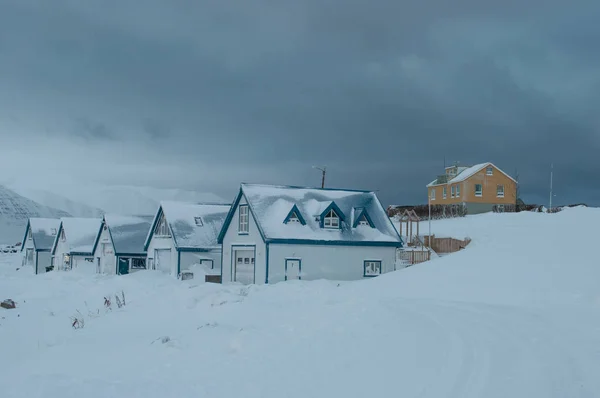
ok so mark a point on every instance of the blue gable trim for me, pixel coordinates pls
(361, 213)
(333, 242)
(153, 228)
(25, 237)
(194, 249)
(298, 214)
(231, 213)
(85, 254)
(102, 224)
(337, 210)
(130, 254)
(60, 227)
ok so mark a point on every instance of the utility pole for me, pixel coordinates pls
(551, 178)
(517, 189)
(323, 171)
(429, 204)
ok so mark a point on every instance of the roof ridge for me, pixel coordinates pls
(304, 187)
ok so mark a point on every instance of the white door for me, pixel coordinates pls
(162, 260)
(29, 257)
(292, 269)
(244, 266)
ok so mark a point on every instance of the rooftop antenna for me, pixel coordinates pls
(323, 170)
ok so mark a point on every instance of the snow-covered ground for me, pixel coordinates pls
(516, 314)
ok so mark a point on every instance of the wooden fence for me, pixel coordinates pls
(446, 245)
(412, 257)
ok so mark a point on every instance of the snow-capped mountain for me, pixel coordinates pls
(50, 199)
(15, 210)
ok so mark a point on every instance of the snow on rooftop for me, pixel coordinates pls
(195, 225)
(128, 233)
(271, 204)
(468, 172)
(43, 232)
(81, 233)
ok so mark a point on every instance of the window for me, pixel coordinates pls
(452, 191)
(162, 228)
(89, 259)
(458, 191)
(432, 193)
(138, 263)
(444, 192)
(198, 221)
(331, 220)
(363, 221)
(53, 231)
(294, 218)
(29, 234)
(489, 171)
(372, 267)
(62, 235)
(243, 221)
(478, 190)
(500, 191)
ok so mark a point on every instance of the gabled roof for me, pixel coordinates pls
(358, 213)
(466, 172)
(80, 233)
(181, 218)
(43, 232)
(270, 205)
(128, 233)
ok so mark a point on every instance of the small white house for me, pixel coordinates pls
(185, 234)
(119, 248)
(74, 243)
(276, 233)
(37, 243)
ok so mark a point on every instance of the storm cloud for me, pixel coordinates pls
(202, 95)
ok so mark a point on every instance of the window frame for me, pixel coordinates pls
(498, 194)
(63, 237)
(331, 216)
(199, 222)
(162, 229)
(367, 263)
(444, 192)
(458, 191)
(452, 191)
(480, 194)
(489, 171)
(294, 219)
(244, 219)
(432, 194)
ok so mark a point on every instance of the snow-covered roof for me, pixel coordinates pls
(128, 233)
(80, 233)
(43, 232)
(187, 232)
(270, 206)
(466, 172)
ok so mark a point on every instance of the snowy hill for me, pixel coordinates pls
(516, 314)
(15, 210)
(55, 201)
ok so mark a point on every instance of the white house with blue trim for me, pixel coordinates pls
(119, 248)
(277, 233)
(74, 243)
(185, 234)
(37, 243)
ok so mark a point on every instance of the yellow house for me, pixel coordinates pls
(480, 188)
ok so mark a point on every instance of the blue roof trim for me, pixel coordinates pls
(195, 249)
(232, 211)
(229, 217)
(151, 234)
(86, 254)
(298, 214)
(100, 234)
(334, 207)
(333, 242)
(361, 213)
(389, 220)
(60, 227)
(25, 237)
(130, 254)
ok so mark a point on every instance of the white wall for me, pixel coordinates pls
(28, 245)
(108, 262)
(43, 261)
(162, 243)
(61, 249)
(253, 238)
(328, 262)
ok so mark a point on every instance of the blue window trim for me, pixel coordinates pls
(240, 220)
(299, 267)
(233, 248)
(294, 210)
(338, 212)
(365, 268)
(363, 212)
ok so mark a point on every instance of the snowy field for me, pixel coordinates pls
(516, 314)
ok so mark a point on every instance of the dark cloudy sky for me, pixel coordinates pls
(202, 95)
